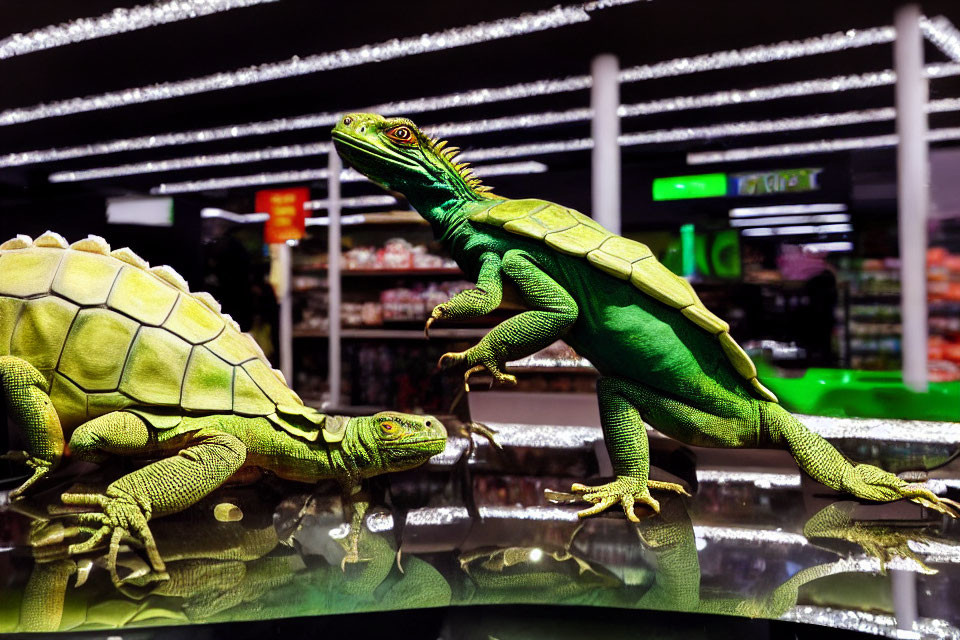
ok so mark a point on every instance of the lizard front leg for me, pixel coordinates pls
(30, 407)
(202, 461)
(552, 312)
(476, 302)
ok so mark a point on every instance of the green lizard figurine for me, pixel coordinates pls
(663, 357)
(123, 358)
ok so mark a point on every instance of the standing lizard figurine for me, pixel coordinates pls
(123, 359)
(664, 359)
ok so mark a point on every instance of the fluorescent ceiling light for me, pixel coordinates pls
(120, 20)
(240, 218)
(798, 230)
(719, 60)
(827, 246)
(681, 134)
(558, 16)
(353, 203)
(817, 146)
(472, 98)
(943, 34)
(757, 222)
(787, 209)
(309, 175)
(195, 162)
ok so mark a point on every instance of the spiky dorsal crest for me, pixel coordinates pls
(92, 244)
(449, 155)
(127, 255)
(168, 274)
(51, 239)
(20, 242)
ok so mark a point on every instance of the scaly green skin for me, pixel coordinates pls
(126, 361)
(664, 358)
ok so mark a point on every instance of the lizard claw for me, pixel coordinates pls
(120, 518)
(435, 315)
(40, 469)
(624, 490)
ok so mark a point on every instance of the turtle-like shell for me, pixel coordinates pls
(570, 232)
(108, 332)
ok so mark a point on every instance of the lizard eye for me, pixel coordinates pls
(402, 134)
(347, 120)
(389, 428)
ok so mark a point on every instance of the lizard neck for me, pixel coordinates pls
(440, 203)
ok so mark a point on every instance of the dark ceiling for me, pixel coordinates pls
(639, 33)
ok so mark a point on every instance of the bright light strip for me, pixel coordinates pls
(353, 203)
(943, 34)
(827, 246)
(787, 209)
(817, 146)
(478, 97)
(309, 175)
(239, 218)
(558, 16)
(120, 20)
(757, 222)
(759, 54)
(195, 162)
(729, 129)
(798, 230)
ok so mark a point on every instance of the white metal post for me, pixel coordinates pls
(286, 312)
(913, 195)
(605, 100)
(333, 277)
(903, 583)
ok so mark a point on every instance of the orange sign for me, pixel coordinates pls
(287, 216)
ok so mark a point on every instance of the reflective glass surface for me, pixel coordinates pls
(483, 526)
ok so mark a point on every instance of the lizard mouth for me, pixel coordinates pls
(357, 150)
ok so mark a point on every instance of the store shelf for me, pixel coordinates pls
(373, 333)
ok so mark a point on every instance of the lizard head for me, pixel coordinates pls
(395, 154)
(396, 441)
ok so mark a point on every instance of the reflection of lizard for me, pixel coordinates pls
(128, 362)
(224, 563)
(664, 358)
(518, 574)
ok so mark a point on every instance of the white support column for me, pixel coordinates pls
(903, 584)
(605, 100)
(913, 194)
(333, 277)
(286, 312)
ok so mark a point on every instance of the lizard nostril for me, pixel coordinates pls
(362, 129)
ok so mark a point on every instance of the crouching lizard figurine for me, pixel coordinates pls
(663, 357)
(126, 361)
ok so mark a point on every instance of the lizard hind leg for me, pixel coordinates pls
(825, 464)
(24, 390)
(626, 438)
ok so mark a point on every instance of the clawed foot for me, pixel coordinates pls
(40, 469)
(470, 428)
(436, 314)
(478, 362)
(353, 552)
(627, 492)
(121, 519)
(873, 483)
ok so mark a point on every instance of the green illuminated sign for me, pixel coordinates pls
(707, 185)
